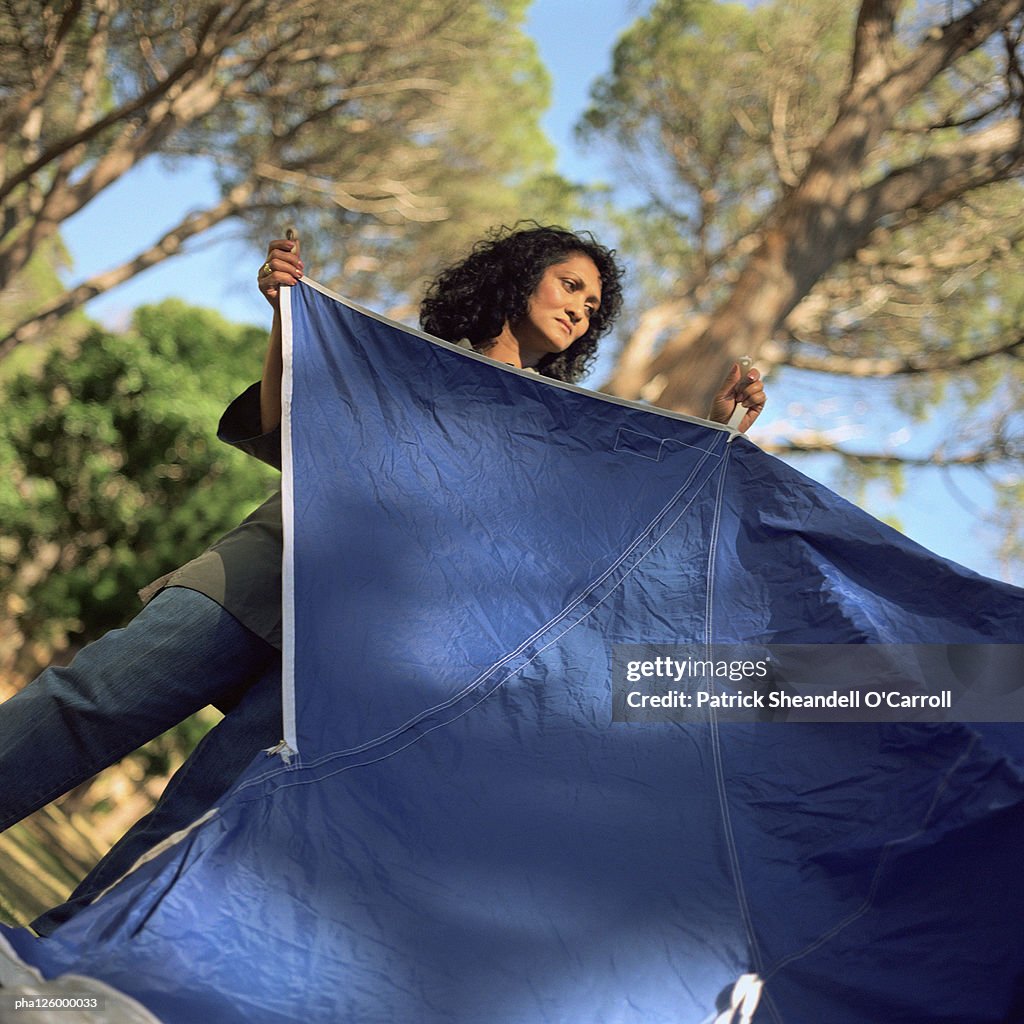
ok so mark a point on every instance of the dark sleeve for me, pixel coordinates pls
(240, 427)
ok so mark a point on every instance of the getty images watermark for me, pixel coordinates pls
(818, 682)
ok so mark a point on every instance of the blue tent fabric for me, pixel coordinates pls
(462, 834)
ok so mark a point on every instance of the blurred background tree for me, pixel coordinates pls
(386, 134)
(834, 190)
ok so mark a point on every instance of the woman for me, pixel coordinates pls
(537, 298)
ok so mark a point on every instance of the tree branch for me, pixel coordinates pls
(873, 39)
(391, 196)
(877, 92)
(780, 151)
(978, 159)
(169, 245)
(1001, 450)
(92, 78)
(938, 362)
(631, 371)
(946, 44)
(952, 122)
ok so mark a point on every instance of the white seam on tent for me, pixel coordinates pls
(716, 749)
(288, 523)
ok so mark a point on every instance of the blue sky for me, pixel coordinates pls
(575, 38)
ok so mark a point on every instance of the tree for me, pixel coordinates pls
(110, 476)
(833, 190)
(385, 132)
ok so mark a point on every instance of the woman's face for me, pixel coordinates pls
(559, 311)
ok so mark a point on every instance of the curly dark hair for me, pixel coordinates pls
(492, 286)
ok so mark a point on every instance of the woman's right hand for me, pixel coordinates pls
(283, 268)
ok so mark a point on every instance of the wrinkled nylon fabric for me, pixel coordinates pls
(463, 835)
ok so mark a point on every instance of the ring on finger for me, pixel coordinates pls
(266, 269)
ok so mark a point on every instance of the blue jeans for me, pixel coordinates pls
(179, 654)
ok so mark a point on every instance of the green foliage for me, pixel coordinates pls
(110, 473)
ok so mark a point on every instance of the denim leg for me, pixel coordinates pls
(218, 760)
(180, 653)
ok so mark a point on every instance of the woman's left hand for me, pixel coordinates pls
(739, 389)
